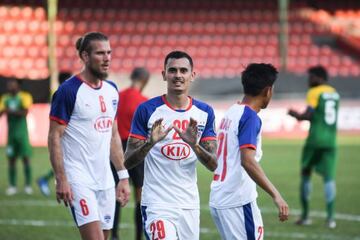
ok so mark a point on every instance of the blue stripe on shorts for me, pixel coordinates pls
(143, 213)
(249, 222)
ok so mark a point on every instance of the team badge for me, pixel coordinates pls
(201, 129)
(107, 218)
(114, 104)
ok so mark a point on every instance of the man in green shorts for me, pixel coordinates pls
(15, 105)
(319, 152)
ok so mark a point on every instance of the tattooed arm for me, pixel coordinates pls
(206, 153)
(137, 149)
(205, 150)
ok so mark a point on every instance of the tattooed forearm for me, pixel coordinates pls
(136, 151)
(206, 153)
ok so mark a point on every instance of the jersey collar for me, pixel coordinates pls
(177, 110)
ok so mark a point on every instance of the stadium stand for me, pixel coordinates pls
(222, 36)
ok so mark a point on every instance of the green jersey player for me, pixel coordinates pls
(15, 105)
(319, 152)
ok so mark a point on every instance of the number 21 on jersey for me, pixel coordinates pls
(222, 152)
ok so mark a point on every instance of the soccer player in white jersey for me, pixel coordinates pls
(83, 138)
(172, 132)
(233, 190)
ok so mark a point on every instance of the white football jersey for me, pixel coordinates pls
(89, 115)
(232, 186)
(170, 166)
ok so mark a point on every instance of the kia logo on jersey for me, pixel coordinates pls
(176, 151)
(103, 124)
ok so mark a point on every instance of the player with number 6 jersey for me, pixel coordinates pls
(172, 132)
(233, 190)
(83, 138)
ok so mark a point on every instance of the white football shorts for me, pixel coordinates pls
(171, 223)
(242, 222)
(90, 206)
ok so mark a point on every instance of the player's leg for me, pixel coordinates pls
(138, 219)
(329, 160)
(159, 223)
(25, 150)
(85, 211)
(189, 224)
(12, 177)
(91, 231)
(43, 182)
(137, 178)
(11, 155)
(115, 228)
(106, 203)
(308, 156)
(27, 174)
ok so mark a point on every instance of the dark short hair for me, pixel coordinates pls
(139, 73)
(258, 76)
(319, 71)
(18, 81)
(177, 55)
(83, 43)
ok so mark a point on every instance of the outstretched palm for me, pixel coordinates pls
(189, 135)
(158, 132)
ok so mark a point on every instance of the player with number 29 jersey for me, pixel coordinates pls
(170, 178)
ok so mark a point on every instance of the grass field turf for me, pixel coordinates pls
(38, 217)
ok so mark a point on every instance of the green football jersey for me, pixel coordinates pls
(17, 126)
(324, 100)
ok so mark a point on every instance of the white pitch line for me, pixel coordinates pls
(281, 235)
(53, 203)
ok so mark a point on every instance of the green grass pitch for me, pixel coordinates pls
(37, 217)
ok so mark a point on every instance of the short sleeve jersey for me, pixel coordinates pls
(89, 114)
(17, 126)
(170, 166)
(324, 102)
(232, 186)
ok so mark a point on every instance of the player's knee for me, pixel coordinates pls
(330, 190)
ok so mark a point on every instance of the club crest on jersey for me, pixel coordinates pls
(103, 124)
(114, 104)
(201, 129)
(176, 151)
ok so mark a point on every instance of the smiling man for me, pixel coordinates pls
(172, 132)
(83, 136)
